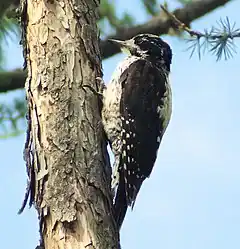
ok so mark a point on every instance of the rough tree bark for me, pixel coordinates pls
(65, 149)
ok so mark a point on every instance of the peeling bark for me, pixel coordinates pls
(65, 151)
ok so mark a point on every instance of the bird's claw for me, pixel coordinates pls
(101, 87)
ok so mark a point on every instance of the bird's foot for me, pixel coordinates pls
(102, 86)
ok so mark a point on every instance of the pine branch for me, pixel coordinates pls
(219, 40)
(157, 25)
(10, 117)
(12, 80)
(161, 24)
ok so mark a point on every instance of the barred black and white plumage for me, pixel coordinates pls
(136, 111)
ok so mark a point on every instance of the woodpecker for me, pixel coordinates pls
(136, 111)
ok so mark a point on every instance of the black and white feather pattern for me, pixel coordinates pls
(136, 111)
(143, 99)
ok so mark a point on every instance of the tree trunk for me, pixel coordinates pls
(66, 155)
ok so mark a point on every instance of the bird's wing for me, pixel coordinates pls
(142, 99)
(143, 87)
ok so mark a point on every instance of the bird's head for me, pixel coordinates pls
(147, 46)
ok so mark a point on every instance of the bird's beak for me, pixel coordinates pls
(118, 42)
(125, 46)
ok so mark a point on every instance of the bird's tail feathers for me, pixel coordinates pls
(120, 204)
(134, 193)
(125, 197)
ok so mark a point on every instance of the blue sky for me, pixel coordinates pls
(191, 200)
